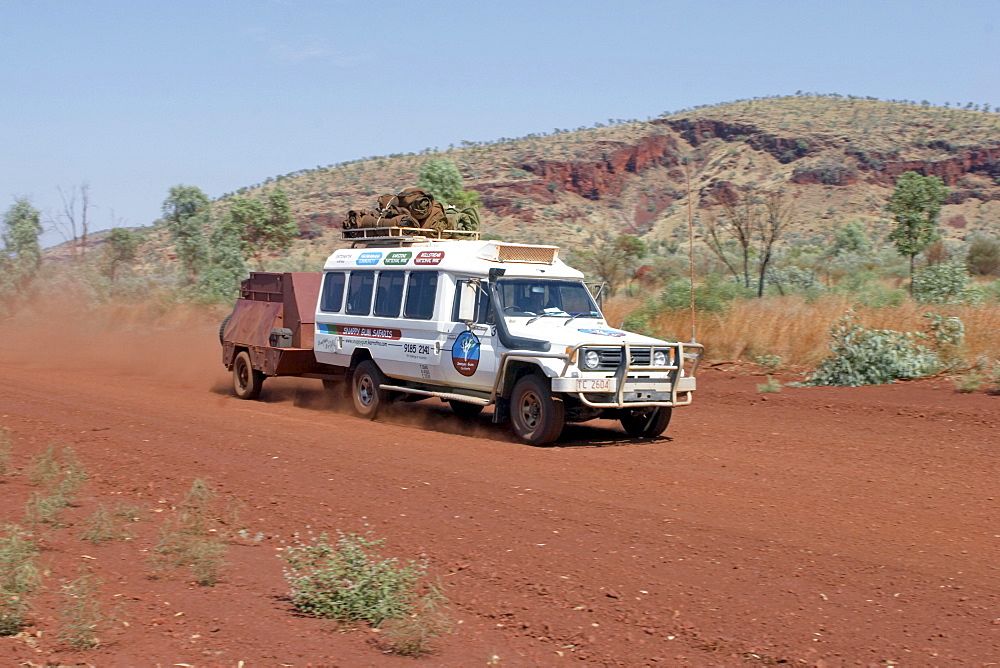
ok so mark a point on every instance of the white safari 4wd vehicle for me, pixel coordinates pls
(475, 323)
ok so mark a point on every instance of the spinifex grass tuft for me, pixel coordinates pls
(19, 577)
(60, 475)
(80, 614)
(5, 449)
(188, 541)
(105, 525)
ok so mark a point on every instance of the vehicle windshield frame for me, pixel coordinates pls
(517, 291)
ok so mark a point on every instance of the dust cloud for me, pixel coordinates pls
(176, 346)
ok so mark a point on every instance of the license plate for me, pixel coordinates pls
(595, 385)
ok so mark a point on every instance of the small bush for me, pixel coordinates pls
(772, 385)
(349, 582)
(770, 363)
(418, 633)
(945, 283)
(866, 356)
(947, 336)
(969, 383)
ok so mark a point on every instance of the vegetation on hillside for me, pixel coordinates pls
(798, 202)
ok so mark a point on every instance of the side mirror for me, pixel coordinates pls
(467, 298)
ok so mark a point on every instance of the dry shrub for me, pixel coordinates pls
(799, 331)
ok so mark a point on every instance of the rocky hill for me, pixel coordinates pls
(837, 158)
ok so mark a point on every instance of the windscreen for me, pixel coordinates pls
(537, 297)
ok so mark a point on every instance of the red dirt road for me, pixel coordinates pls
(819, 526)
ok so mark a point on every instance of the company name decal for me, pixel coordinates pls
(368, 332)
(465, 353)
(429, 257)
(341, 258)
(356, 330)
(603, 332)
(369, 257)
(397, 257)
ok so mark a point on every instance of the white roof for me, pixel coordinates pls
(473, 258)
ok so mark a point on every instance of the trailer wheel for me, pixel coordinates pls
(247, 381)
(466, 410)
(648, 423)
(366, 389)
(536, 417)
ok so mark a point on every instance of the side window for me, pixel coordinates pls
(420, 295)
(389, 293)
(333, 292)
(482, 302)
(359, 292)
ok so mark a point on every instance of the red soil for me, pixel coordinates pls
(819, 526)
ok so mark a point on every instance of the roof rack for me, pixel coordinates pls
(375, 237)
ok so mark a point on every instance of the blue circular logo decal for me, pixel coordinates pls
(465, 353)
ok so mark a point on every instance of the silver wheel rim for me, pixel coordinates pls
(530, 410)
(366, 390)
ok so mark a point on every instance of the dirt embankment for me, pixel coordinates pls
(821, 526)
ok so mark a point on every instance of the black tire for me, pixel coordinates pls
(466, 410)
(535, 416)
(222, 327)
(648, 422)
(366, 389)
(247, 381)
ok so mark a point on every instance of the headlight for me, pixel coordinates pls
(660, 358)
(591, 360)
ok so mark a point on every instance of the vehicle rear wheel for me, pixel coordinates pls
(466, 410)
(366, 389)
(535, 416)
(647, 422)
(247, 381)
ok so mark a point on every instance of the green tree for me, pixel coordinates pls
(442, 179)
(220, 282)
(263, 227)
(186, 212)
(851, 238)
(120, 248)
(915, 205)
(22, 252)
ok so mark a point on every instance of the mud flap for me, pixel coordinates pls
(501, 410)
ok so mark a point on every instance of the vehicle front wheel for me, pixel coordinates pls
(535, 416)
(366, 389)
(247, 381)
(647, 422)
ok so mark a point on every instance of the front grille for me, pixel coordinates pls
(611, 358)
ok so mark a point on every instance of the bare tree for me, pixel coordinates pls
(778, 215)
(755, 222)
(740, 219)
(72, 222)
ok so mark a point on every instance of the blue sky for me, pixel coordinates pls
(135, 97)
